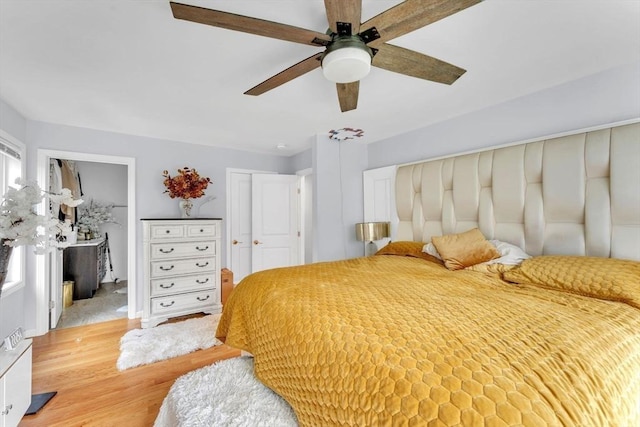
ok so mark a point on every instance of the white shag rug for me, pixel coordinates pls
(225, 394)
(142, 346)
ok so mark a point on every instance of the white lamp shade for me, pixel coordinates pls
(346, 65)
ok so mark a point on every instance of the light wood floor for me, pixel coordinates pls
(80, 364)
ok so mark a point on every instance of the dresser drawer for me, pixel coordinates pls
(176, 285)
(202, 230)
(182, 249)
(167, 231)
(182, 302)
(175, 267)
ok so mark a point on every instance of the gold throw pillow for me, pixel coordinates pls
(464, 249)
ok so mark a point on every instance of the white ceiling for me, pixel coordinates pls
(129, 66)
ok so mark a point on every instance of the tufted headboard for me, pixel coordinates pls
(576, 194)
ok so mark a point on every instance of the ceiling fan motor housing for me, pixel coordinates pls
(347, 59)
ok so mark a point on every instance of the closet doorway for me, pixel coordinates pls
(49, 267)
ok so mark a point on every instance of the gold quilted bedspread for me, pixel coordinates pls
(393, 341)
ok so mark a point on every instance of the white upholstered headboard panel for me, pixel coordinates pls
(577, 194)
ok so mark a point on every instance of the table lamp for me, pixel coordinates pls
(370, 232)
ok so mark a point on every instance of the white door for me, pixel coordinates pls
(240, 225)
(379, 198)
(274, 221)
(55, 307)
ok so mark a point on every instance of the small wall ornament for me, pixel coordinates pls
(345, 134)
(186, 185)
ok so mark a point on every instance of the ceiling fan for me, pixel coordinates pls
(350, 47)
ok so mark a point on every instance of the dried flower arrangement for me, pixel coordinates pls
(188, 184)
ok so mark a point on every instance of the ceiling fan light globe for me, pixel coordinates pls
(346, 65)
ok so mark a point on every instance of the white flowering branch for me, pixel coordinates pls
(20, 225)
(94, 214)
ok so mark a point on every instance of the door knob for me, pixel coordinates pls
(255, 242)
(235, 242)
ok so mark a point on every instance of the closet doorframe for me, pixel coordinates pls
(43, 279)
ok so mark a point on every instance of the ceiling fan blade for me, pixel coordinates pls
(344, 11)
(348, 95)
(302, 67)
(416, 64)
(411, 15)
(245, 24)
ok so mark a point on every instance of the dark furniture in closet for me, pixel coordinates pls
(84, 263)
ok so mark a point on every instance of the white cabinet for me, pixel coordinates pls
(15, 383)
(182, 268)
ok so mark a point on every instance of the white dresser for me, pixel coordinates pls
(181, 268)
(15, 383)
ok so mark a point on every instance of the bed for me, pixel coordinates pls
(408, 338)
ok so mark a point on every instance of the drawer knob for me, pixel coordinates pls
(202, 249)
(235, 242)
(257, 242)
(163, 286)
(202, 281)
(167, 305)
(167, 231)
(201, 230)
(166, 252)
(202, 265)
(166, 269)
(203, 299)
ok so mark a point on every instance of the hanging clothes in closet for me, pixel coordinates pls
(55, 186)
(70, 180)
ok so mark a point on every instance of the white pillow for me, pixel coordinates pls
(509, 254)
(431, 250)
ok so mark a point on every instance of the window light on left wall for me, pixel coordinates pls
(12, 166)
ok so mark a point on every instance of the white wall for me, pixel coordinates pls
(302, 160)
(337, 197)
(308, 217)
(12, 122)
(607, 97)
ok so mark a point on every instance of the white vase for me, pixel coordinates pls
(185, 208)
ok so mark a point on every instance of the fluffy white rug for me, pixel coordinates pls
(225, 394)
(143, 346)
